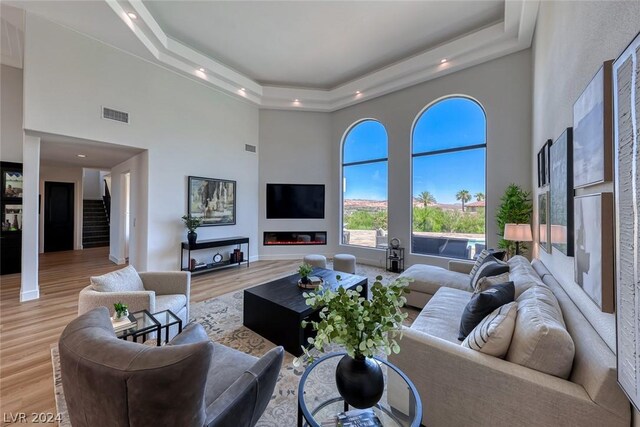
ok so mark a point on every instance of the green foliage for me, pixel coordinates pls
(438, 220)
(120, 309)
(304, 270)
(191, 222)
(479, 197)
(515, 208)
(464, 196)
(366, 220)
(426, 198)
(362, 326)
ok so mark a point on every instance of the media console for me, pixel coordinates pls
(209, 244)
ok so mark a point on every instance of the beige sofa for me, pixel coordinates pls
(461, 387)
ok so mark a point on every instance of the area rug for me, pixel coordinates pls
(222, 319)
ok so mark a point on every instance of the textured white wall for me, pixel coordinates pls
(10, 114)
(91, 188)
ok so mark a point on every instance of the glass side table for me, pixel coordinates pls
(166, 320)
(145, 324)
(319, 400)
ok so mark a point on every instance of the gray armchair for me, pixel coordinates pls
(162, 291)
(189, 382)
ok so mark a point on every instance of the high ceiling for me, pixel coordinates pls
(307, 55)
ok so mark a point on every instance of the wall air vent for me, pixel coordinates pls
(250, 148)
(118, 116)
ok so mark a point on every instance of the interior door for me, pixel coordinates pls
(58, 220)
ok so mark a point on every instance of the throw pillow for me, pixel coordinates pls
(490, 267)
(479, 260)
(493, 334)
(125, 280)
(487, 281)
(483, 303)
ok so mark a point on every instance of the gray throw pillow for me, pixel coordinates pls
(125, 280)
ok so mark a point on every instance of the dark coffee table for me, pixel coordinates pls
(275, 309)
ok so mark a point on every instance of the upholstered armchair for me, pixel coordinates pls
(153, 291)
(189, 382)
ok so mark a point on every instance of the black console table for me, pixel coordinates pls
(209, 244)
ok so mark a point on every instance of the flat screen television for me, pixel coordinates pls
(295, 201)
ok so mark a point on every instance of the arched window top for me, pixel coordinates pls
(366, 140)
(452, 122)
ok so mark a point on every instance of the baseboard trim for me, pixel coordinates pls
(117, 260)
(29, 295)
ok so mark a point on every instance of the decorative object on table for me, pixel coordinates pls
(304, 271)
(217, 258)
(212, 200)
(544, 229)
(593, 130)
(561, 193)
(395, 259)
(593, 259)
(192, 224)
(314, 282)
(543, 164)
(363, 327)
(515, 208)
(395, 243)
(192, 264)
(517, 233)
(358, 418)
(122, 311)
(626, 72)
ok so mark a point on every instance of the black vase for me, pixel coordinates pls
(360, 381)
(192, 236)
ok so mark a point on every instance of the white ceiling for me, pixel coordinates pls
(316, 44)
(326, 55)
(63, 151)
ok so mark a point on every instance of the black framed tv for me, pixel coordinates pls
(295, 201)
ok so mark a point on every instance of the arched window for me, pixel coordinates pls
(364, 185)
(449, 173)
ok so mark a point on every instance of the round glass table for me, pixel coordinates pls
(319, 402)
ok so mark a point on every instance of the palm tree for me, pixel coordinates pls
(426, 198)
(479, 197)
(464, 196)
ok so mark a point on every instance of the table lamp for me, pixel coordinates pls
(517, 233)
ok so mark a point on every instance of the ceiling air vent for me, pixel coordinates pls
(250, 148)
(118, 116)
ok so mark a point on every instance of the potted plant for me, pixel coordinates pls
(364, 327)
(122, 311)
(304, 271)
(192, 223)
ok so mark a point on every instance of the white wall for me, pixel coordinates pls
(10, 114)
(502, 86)
(187, 128)
(91, 184)
(295, 148)
(57, 173)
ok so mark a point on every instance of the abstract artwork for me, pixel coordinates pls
(543, 164)
(626, 90)
(593, 261)
(592, 131)
(543, 221)
(212, 200)
(12, 184)
(561, 193)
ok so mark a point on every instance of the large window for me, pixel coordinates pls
(364, 185)
(449, 149)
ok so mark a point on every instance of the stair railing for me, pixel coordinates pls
(106, 199)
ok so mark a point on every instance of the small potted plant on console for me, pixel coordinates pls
(192, 223)
(304, 271)
(122, 311)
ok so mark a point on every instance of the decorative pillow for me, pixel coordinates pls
(487, 281)
(493, 334)
(483, 303)
(479, 260)
(490, 267)
(540, 340)
(124, 280)
(499, 255)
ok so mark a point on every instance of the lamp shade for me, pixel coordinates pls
(517, 232)
(558, 234)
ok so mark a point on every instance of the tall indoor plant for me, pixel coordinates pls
(364, 327)
(515, 208)
(192, 223)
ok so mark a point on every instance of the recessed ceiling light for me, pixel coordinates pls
(201, 69)
(242, 89)
(132, 15)
(82, 155)
(357, 92)
(296, 100)
(443, 60)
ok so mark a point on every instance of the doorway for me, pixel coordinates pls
(58, 216)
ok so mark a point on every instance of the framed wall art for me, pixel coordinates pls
(593, 260)
(561, 193)
(593, 130)
(543, 222)
(212, 200)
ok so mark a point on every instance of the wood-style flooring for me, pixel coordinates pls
(27, 330)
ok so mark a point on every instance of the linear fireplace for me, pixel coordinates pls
(284, 238)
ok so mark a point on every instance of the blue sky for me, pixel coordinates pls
(451, 123)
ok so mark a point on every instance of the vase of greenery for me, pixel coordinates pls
(515, 208)
(122, 311)
(192, 223)
(304, 271)
(364, 327)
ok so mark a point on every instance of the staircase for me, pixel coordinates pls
(95, 225)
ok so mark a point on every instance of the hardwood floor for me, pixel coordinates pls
(27, 330)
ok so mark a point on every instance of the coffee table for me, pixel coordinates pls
(275, 309)
(319, 400)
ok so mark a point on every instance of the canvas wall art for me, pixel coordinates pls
(12, 184)
(543, 222)
(561, 193)
(543, 164)
(593, 261)
(212, 200)
(592, 131)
